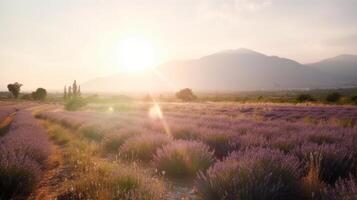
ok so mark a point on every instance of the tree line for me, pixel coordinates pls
(38, 94)
(73, 91)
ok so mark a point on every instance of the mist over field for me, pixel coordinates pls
(236, 70)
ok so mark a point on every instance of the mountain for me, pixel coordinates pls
(343, 66)
(231, 70)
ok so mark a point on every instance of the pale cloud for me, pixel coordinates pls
(227, 9)
(347, 40)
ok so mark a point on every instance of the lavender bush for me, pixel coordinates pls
(336, 161)
(252, 174)
(143, 147)
(113, 141)
(182, 159)
(326, 132)
(221, 142)
(345, 189)
(23, 151)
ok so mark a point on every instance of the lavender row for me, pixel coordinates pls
(6, 111)
(23, 151)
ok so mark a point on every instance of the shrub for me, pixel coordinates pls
(58, 134)
(304, 97)
(284, 144)
(143, 147)
(19, 175)
(312, 186)
(345, 189)
(39, 94)
(336, 161)
(92, 132)
(323, 138)
(221, 142)
(333, 97)
(181, 159)
(27, 96)
(184, 133)
(113, 141)
(251, 174)
(75, 104)
(186, 95)
(354, 99)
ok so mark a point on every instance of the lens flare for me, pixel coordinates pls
(110, 109)
(155, 112)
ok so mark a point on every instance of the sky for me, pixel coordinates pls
(51, 43)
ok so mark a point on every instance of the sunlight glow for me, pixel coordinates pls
(110, 109)
(155, 112)
(136, 54)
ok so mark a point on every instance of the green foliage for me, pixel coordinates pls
(92, 132)
(16, 182)
(186, 95)
(304, 97)
(143, 147)
(39, 94)
(75, 104)
(58, 134)
(183, 159)
(112, 142)
(354, 99)
(27, 97)
(14, 89)
(114, 182)
(333, 97)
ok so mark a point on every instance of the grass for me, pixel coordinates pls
(91, 132)
(94, 177)
(57, 134)
(113, 141)
(5, 124)
(183, 159)
(17, 181)
(143, 147)
(203, 138)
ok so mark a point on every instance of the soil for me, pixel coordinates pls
(54, 174)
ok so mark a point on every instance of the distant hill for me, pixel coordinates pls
(343, 66)
(231, 70)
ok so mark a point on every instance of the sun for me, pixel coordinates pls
(136, 54)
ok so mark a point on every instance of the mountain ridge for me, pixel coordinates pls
(229, 70)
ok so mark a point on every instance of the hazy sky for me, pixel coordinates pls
(50, 43)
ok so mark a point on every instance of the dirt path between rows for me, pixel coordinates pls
(51, 177)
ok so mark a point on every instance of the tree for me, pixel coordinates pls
(75, 104)
(354, 99)
(186, 95)
(333, 97)
(14, 89)
(304, 97)
(39, 94)
(69, 92)
(65, 92)
(79, 91)
(74, 88)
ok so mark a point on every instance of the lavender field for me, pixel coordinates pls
(180, 151)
